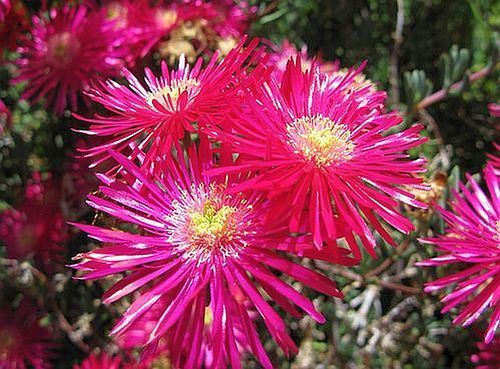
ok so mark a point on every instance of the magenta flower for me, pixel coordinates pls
(102, 361)
(36, 227)
(145, 25)
(4, 9)
(495, 158)
(471, 242)
(325, 157)
(194, 253)
(23, 342)
(280, 55)
(65, 52)
(488, 355)
(494, 109)
(169, 107)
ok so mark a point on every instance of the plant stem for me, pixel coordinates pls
(443, 93)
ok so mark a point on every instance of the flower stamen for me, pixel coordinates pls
(173, 90)
(320, 140)
(62, 48)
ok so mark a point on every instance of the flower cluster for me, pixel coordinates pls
(69, 47)
(220, 172)
(230, 175)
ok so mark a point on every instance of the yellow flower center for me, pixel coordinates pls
(165, 19)
(358, 82)
(173, 90)
(207, 223)
(210, 225)
(117, 12)
(320, 140)
(62, 49)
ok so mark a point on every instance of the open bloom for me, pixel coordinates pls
(36, 227)
(155, 116)
(23, 342)
(471, 242)
(200, 252)
(488, 355)
(65, 52)
(325, 156)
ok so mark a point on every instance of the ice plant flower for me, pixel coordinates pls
(494, 109)
(162, 112)
(193, 256)
(5, 6)
(325, 157)
(488, 355)
(23, 342)
(66, 51)
(102, 361)
(137, 23)
(36, 227)
(471, 242)
(205, 26)
(280, 55)
(145, 25)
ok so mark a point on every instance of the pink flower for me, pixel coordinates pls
(471, 242)
(102, 361)
(494, 109)
(36, 228)
(280, 56)
(195, 249)
(144, 26)
(170, 106)
(488, 355)
(4, 9)
(65, 52)
(23, 342)
(325, 157)
(494, 158)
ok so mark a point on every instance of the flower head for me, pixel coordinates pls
(281, 54)
(66, 51)
(168, 107)
(102, 361)
(23, 342)
(36, 228)
(471, 242)
(325, 156)
(144, 25)
(192, 259)
(5, 6)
